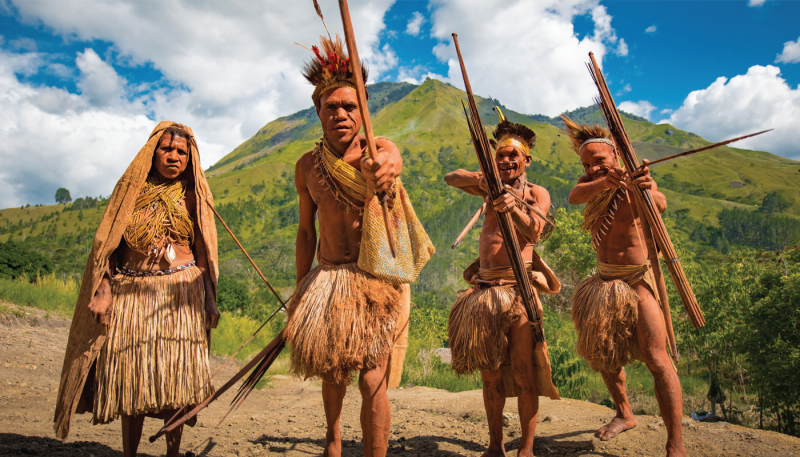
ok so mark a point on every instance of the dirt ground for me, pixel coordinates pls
(286, 418)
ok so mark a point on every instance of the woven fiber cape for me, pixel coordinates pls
(86, 337)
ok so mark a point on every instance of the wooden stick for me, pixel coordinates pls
(469, 225)
(261, 355)
(705, 148)
(361, 92)
(495, 185)
(280, 300)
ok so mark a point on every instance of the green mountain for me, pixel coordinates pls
(254, 186)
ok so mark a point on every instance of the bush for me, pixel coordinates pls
(232, 296)
(16, 261)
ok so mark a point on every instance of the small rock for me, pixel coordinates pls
(550, 419)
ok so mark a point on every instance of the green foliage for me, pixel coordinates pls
(16, 260)
(232, 296)
(62, 195)
(752, 332)
(428, 332)
(774, 202)
(771, 341)
(569, 376)
(758, 229)
(569, 252)
(233, 330)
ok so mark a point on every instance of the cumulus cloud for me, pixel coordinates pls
(791, 52)
(758, 100)
(415, 24)
(98, 81)
(641, 108)
(651, 29)
(755, 2)
(548, 74)
(228, 68)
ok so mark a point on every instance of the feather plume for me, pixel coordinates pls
(319, 13)
(578, 133)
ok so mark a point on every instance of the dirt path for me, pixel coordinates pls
(285, 419)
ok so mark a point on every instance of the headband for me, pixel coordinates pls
(596, 140)
(332, 83)
(514, 142)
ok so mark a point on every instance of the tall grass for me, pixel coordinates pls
(50, 293)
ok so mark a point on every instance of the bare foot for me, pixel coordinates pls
(676, 450)
(494, 452)
(615, 427)
(522, 453)
(333, 446)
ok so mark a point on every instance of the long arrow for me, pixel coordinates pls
(361, 92)
(706, 148)
(172, 424)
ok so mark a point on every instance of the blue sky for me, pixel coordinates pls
(83, 82)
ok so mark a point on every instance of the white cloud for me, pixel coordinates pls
(666, 111)
(622, 48)
(625, 89)
(415, 24)
(651, 29)
(791, 52)
(98, 81)
(757, 100)
(543, 67)
(641, 108)
(232, 67)
(755, 2)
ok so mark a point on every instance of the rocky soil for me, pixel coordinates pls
(286, 419)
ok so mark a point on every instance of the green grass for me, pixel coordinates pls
(49, 293)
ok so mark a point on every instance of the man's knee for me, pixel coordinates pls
(657, 361)
(371, 382)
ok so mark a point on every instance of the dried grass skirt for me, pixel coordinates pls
(605, 315)
(156, 352)
(341, 320)
(478, 327)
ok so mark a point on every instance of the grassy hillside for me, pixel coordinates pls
(254, 186)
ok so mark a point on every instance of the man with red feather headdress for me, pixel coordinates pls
(349, 314)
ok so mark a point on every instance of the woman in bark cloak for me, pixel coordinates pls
(138, 345)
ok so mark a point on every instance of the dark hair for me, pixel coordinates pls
(177, 130)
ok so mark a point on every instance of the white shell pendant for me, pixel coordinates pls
(170, 254)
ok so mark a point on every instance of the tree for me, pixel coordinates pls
(772, 342)
(232, 295)
(16, 260)
(62, 195)
(774, 203)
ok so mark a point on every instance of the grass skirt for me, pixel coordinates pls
(341, 320)
(605, 315)
(156, 352)
(478, 327)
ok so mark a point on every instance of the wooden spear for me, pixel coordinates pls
(361, 92)
(706, 148)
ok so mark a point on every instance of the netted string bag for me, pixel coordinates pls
(413, 246)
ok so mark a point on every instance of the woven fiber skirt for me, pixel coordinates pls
(156, 352)
(341, 320)
(478, 327)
